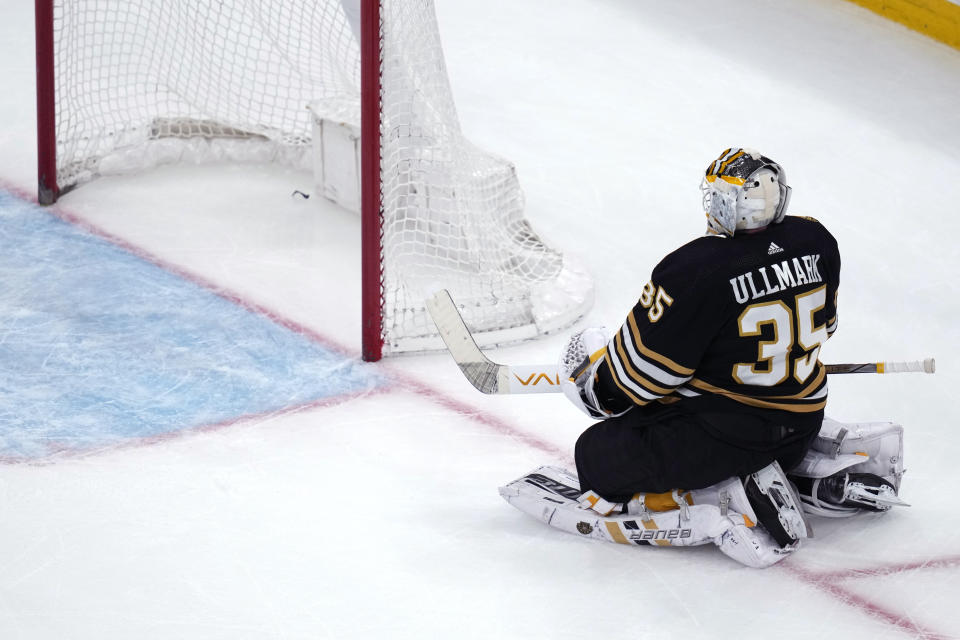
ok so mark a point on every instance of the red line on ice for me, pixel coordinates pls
(486, 419)
(829, 582)
(945, 562)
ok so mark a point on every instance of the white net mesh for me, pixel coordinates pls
(141, 83)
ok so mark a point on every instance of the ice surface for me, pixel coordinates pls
(379, 516)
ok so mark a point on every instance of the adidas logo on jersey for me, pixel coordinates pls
(774, 248)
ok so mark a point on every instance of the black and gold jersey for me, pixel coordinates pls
(740, 318)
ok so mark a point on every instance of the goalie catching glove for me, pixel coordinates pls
(578, 365)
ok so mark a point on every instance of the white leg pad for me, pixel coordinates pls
(870, 447)
(552, 495)
(753, 547)
(874, 448)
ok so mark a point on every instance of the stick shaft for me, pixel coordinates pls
(493, 378)
(927, 365)
(869, 367)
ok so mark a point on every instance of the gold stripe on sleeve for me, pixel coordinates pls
(678, 370)
(616, 379)
(635, 375)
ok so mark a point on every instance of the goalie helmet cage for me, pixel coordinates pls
(125, 86)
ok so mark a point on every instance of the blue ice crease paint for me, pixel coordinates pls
(99, 346)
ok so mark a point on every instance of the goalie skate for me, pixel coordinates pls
(871, 492)
(844, 493)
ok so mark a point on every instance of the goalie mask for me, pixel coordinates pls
(744, 190)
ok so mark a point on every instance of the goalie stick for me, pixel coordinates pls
(492, 378)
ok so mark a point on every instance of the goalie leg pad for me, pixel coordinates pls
(552, 495)
(878, 447)
(753, 547)
(850, 468)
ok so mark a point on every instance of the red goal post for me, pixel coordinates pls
(124, 87)
(371, 201)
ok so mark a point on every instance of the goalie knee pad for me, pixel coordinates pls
(766, 516)
(766, 498)
(852, 468)
(777, 504)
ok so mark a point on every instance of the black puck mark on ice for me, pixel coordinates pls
(305, 196)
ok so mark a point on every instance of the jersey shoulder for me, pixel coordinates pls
(808, 226)
(702, 250)
(689, 263)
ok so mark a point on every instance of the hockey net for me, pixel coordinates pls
(140, 83)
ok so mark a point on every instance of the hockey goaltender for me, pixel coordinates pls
(709, 400)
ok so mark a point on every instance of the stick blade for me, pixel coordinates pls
(476, 367)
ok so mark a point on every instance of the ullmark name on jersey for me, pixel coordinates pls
(782, 275)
